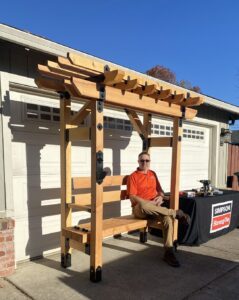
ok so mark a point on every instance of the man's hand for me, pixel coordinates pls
(158, 201)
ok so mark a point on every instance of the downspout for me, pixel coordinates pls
(2, 169)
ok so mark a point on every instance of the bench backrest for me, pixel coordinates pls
(117, 184)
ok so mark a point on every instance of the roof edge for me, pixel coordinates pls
(39, 43)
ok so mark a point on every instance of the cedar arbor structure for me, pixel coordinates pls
(83, 78)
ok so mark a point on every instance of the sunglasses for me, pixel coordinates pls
(144, 160)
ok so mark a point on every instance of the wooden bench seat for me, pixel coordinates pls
(80, 234)
(111, 227)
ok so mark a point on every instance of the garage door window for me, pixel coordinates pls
(44, 113)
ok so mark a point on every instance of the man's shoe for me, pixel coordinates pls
(170, 258)
(184, 218)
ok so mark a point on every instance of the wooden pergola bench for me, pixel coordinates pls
(82, 78)
(80, 235)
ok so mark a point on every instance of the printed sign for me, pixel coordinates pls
(221, 216)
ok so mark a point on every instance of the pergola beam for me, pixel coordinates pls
(90, 90)
(97, 66)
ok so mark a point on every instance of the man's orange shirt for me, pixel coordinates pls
(143, 185)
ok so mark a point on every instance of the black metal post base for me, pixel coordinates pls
(143, 237)
(87, 249)
(66, 260)
(95, 275)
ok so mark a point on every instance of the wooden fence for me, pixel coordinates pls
(233, 167)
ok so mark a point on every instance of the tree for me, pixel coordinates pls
(187, 85)
(168, 75)
(163, 73)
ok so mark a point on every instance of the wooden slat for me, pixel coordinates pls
(75, 234)
(113, 77)
(110, 227)
(45, 71)
(161, 142)
(46, 83)
(54, 67)
(135, 121)
(127, 85)
(110, 196)
(86, 62)
(88, 90)
(77, 245)
(196, 101)
(79, 134)
(85, 182)
(65, 63)
(146, 90)
(159, 95)
(119, 225)
(176, 99)
(79, 207)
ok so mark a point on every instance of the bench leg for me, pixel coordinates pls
(143, 235)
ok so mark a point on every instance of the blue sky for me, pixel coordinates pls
(198, 40)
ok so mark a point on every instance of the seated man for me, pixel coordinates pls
(146, 196)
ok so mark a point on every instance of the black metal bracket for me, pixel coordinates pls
(67, 138)
(100, 102)
(95, 275)
(145, 143)
(180, 122)
(100, 173)
(64, 95)
(179, 138)
(183, 110)
(87, 248)
(66, 260)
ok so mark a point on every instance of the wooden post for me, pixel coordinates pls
(96, 190)
(175, 170)
(66, 212)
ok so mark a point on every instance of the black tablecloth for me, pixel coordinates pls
(210, 217)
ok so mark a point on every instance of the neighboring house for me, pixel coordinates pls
(30, 152)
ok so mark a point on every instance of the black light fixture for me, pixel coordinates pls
(225, 136)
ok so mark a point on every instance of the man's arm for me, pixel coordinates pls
(135, 199)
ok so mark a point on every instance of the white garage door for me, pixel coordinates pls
(36, 166)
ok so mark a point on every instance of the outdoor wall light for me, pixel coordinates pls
(225, 136)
